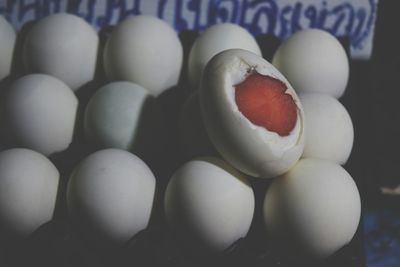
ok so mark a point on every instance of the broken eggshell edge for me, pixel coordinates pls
(250, 148)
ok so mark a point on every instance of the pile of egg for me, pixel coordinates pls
(245, 119)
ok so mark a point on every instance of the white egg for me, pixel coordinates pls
(28, 192)
(123, 115)
(313, 61)
(41, 111)
(210, 203)
(330, 133)
(7, 42)
(144, 50)
(314, 209)
(64, 46)
(215, 39)
(110, 196)
(254, 148)
(193, 136)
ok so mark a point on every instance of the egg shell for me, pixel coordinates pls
(250, 148)
(64, 46)
(144, 50)
(7, 42)
(124, 115)
(28, 192)
(313, 61)
(330, 132)
(210, 203)
(110, 196)
(214, 40)
(313, 210)
(41, 111)
(193, 135)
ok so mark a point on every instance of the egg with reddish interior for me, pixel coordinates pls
(7, 42)
(251, 113)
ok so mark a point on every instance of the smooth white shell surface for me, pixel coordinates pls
(210, 202)
(216, 39)
(41, 111)
(313, 61)
(251, 149)
(144, 50)
(122, 115)
(314, 208)
(64, 46)
(110, 195)
(330, 132)
(7, 42)
(28, 191)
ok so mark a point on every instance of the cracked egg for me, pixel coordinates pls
(251, 113)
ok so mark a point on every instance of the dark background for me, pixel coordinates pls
(381, 158)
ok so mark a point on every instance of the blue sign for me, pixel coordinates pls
(354, 19)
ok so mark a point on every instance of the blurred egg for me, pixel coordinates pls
(210, 203)
(215, 39)
(64, 46)
(313, 210)
(28, 192)
(313, 61)
(41, 111)
(123, 115)
(193, 136)
(144, 50)
(110, 196)
(330, 133)
(251, 113)
(7, 42)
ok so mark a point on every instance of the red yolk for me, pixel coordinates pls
(263, 101)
